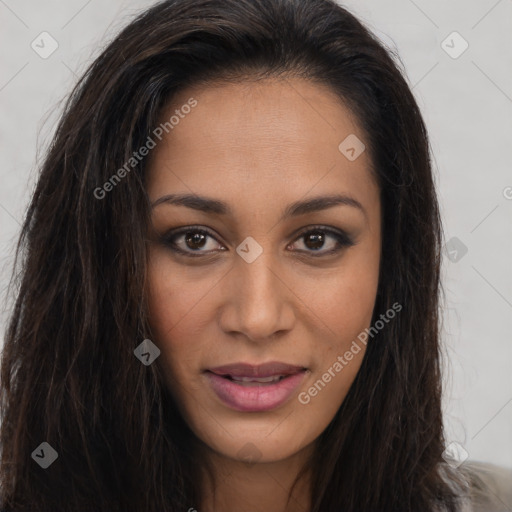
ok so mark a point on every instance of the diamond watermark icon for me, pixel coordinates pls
(44, 45)
(454, 45)
(249, 249)
(44, 455)
(351, 147)
(455, 454)
(455, 249)
(249, 453)
(147, 352)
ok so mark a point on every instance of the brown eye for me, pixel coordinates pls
(195, 240)
(314, 240)
(191, 242)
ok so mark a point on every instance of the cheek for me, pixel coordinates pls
(172, 298)
(343, 307)
(343, 317)
(343, 312)
(176, 312)
(344, 301)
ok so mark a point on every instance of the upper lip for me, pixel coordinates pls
(270, 369)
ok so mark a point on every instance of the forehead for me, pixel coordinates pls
(271, 136)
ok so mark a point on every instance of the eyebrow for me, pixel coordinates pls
(216, 207)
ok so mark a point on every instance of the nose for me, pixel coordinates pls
(258, 303)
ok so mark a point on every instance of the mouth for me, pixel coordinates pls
(254, 381)
(253, 388)
(261, 371)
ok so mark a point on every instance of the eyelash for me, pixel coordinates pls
(343, 240)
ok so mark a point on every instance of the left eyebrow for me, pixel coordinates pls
(217, 207)
(321, 203)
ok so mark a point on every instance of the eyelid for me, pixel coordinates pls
(324, 228)
(342, 238)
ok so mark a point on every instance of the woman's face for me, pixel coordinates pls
(263, 276)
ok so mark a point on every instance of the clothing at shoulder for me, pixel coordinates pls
(488, 487)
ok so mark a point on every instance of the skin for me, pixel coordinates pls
(259, 147)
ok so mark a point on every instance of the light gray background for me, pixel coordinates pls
(467, 105)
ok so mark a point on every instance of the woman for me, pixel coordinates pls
(230, 278)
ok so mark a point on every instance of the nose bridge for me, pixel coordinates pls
(259, 301)
(258, 278)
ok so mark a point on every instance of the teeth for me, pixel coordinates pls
(276, 378)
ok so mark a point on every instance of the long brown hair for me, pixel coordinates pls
(69, 376)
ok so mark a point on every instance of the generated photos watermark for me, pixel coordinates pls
(342, 361)
(143, 151)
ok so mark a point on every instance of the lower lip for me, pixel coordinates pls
(256, 397)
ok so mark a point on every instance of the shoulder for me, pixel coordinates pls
(489, 486)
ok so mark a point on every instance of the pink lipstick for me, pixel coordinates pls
(254, 388)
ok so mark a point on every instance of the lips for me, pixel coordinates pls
(253, 388)
(244, 370)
